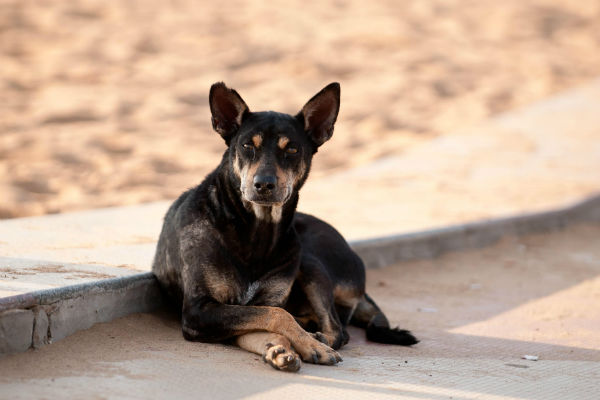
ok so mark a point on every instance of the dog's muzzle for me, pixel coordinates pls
(266, 190)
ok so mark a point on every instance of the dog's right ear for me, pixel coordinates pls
(227, 109)
(320, 113)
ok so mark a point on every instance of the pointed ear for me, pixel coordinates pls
(228, 110)
(320, 113)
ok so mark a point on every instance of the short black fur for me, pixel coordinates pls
(235, 256)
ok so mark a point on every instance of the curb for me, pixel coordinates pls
(381, 252)
(38, 318)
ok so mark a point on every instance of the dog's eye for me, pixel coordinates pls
(291, 150)
(248, 146)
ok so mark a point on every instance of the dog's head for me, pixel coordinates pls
(270, 153)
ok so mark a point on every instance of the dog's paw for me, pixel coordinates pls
(319, 353)
(335, 340)
(282, 358)
(321, 338)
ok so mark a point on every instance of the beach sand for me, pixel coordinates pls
(105, 103)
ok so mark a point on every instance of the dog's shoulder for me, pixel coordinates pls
(193, 205)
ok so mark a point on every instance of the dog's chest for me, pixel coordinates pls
(248, 295)
(271, 292)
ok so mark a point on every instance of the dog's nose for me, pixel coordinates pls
(264, 183)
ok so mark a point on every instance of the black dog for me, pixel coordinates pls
(242, 264)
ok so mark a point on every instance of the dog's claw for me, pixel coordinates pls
(315, 358)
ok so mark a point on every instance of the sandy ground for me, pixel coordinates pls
(477, 313)
(104, 103)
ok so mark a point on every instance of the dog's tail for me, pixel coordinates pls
(369, 317)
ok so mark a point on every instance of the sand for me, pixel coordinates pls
(105, 103)
(476, 312)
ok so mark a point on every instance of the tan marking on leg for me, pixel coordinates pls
(346, 295)
(277, 320)
(257, 140)
(283, 141)
(276, 350)
(306, 319)
(327, 333)
(218, 285)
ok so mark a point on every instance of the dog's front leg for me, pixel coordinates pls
(207, 321)
(276, 350)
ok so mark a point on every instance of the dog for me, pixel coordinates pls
(243, 266)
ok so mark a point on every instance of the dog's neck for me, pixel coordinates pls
(265, 214)
(277, 217)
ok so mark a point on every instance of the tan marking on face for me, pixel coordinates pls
(237, 167)
(259, 211)
(247, 178)
(301, 172)
(285, 179)
(267, 213)
(283, 141)
(257, 140)
(276, 212)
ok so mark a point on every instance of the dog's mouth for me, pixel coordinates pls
(274, 198)
(265, 203)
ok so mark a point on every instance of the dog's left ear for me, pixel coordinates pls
(320, 113)
(228, 109)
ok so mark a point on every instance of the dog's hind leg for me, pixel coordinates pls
(275, 350)
(368, 316)
(319, 291)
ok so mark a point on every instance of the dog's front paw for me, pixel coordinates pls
(321, 338)
(319, 353)
(335, 340)
(282, 358)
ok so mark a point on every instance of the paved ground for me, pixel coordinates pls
(476, 313)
